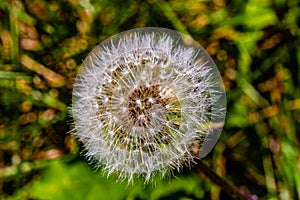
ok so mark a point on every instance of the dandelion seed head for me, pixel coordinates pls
(147, 101)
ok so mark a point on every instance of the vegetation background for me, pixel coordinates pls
(255, 44)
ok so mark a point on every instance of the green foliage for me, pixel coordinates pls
(75, 180)
(255, 44)
(60, 180)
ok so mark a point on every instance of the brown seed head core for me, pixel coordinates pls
(144, 99)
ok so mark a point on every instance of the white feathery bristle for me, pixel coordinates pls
(142, 100)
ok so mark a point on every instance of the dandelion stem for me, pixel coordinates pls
(231, 190)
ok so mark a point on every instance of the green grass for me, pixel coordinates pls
(255, 44)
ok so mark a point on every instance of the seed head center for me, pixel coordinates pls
(145, 103)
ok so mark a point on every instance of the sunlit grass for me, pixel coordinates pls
(256, 48)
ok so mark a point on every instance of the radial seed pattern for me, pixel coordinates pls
(147, 100)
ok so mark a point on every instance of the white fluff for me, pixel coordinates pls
(187, 102)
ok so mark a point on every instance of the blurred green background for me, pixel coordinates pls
(255, 44)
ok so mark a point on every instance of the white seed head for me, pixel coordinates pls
(148, 100)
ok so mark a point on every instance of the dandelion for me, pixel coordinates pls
(147, 101)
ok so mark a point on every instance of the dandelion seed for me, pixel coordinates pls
(148, 100)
